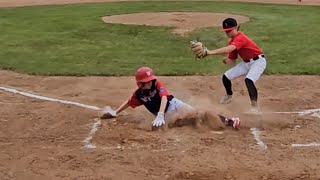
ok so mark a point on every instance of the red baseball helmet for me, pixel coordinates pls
(145, 74)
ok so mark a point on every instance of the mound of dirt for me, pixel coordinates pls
(182, 22)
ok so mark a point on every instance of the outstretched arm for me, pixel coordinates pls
(109, 113)
(224, 50)
(132, 102)
(123, 106)
(201, 51)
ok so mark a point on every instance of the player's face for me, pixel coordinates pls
(228, 33)
(231, 33)
(147, 85)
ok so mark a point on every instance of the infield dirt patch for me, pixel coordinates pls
(43, 140)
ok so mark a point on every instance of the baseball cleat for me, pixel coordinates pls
(255, 110)
(226, 99)
(236, 123)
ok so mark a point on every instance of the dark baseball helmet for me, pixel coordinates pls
(229, 24)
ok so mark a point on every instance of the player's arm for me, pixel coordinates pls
(122, 107)
(109, 113)
(164, 101)
(133, 102)
(224, 50)
(164, 96)
(237, 44)
(159, 120)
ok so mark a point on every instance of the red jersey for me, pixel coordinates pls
(150, 98)
(246, 48)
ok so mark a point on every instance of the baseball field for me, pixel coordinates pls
(62, 61)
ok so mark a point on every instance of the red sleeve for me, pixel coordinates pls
(161, 89)
(133, 101)
(239, 42)
(233, 55)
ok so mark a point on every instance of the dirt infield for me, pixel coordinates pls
(44, 140)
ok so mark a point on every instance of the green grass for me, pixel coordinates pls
(73, 40)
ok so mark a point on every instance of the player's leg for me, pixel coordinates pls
(180, 113)
(238, 70)
(256, 70)
(216, 120)
(233, 122)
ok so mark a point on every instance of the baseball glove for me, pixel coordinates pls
(198, 49)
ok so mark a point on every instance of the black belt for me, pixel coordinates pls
(254, 58)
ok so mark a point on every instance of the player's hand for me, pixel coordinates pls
(108, 113)
(159, 121)
(229, 61)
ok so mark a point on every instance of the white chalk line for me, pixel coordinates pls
(311, 112)
(97, 122)
(95, 125)
(256, 135)
(49, 99)
(94, 129)
(306, 145)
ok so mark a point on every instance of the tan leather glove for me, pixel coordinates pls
(198, 49)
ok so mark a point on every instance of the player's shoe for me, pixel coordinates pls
(234, 122)
(226, 99)
(254, 110)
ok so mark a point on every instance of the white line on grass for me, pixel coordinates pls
(256, 135)
(95, 126)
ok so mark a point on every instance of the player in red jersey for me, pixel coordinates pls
(154, 96)
(252, 66)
